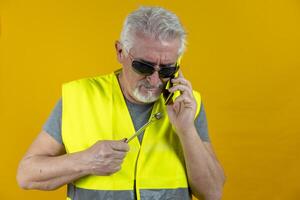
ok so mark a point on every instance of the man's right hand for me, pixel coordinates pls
(46, 166)
(106, 156)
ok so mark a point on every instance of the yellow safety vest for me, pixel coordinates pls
(94, 109)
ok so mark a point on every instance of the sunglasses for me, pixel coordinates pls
(146, 68)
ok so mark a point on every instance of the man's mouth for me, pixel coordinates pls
(151, 88)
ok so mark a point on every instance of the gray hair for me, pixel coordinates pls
(154, 22)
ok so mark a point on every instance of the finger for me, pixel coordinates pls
(116, 162)
(183, 89)
(119, 155)
(185, 100)
(176, 106)
(113, 170)
(119, 145)
(182, 81)
(171, 108)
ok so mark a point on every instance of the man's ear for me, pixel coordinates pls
(119, 51)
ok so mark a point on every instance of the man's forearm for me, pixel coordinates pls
(205, 174)
(53, 183)
(48, 173)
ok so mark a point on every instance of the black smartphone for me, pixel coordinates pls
(170, 97)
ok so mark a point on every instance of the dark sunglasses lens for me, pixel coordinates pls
(142, 68)
(167, 72)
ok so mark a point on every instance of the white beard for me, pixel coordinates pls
(148, 98)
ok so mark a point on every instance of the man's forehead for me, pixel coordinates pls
(153, 49)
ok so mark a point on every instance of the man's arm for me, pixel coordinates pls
(46, 166)
(205, 175)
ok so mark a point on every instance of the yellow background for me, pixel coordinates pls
(242, 55)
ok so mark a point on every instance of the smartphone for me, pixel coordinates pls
(168, 96)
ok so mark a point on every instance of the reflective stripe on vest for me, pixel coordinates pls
(94, 109)
(86, 194)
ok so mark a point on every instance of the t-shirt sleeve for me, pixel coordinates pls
(201, 125)
(53, 124)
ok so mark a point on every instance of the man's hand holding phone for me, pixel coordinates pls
(182, 111)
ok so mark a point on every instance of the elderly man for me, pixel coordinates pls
(86, 142)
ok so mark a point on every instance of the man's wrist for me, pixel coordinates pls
(188, 131)
(80, 164)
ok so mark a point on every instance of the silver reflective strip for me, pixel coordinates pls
(76, 193)
(165, 194)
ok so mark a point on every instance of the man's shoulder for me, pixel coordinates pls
(89, 81)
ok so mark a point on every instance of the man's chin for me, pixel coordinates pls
(148, 97)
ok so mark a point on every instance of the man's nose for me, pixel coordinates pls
(154, 79)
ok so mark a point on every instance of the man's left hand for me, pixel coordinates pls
(182, 111)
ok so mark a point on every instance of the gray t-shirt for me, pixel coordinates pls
(139, 113)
